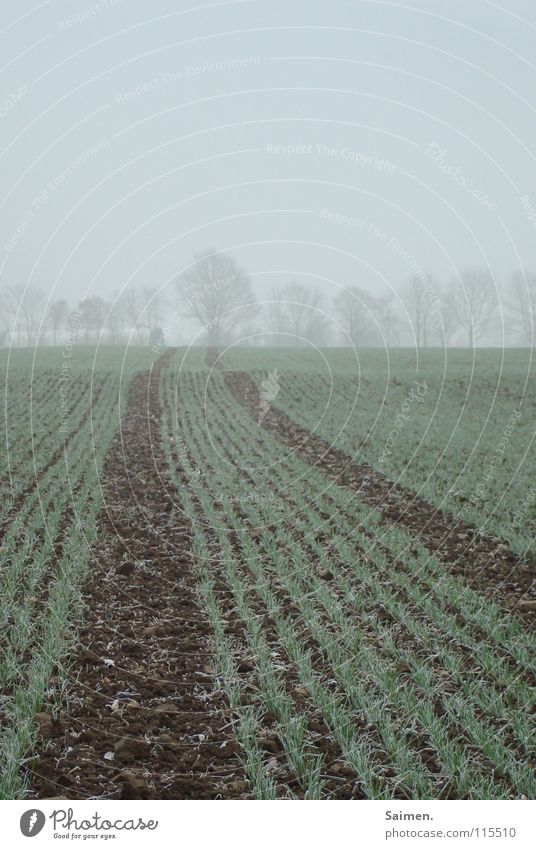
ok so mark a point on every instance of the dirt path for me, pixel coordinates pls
(142, 716)
(484, 563)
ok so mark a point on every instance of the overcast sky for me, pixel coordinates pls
(344, 141)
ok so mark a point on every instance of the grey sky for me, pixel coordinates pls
(133, 135)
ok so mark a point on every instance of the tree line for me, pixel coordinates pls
(28, 317)
(216, 295)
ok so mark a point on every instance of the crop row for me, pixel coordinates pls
(432, 728)
(44, 555)
(456, 447)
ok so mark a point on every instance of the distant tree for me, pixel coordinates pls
(354, 308)
(157, 336)
(302, 307)
(296, 315)
(274, 319)
(57, 317)
(130, 306)
(217, 294)
(4, 321)
(521, 310)
(116, 319)
(23, 308)
(388, 319)
(4, 318)
(153, 306)
(418, 298)
(447, 323)
(9, 305)
(471, 301)
(92, 316)
(32, 306)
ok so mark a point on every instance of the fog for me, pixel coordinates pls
(360, 158)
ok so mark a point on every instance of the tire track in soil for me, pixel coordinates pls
(141, 686)
(485, 564)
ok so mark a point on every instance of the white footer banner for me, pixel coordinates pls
(274, 824)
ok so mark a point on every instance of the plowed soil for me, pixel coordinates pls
(144, 717)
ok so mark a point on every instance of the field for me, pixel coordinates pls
(219, 584)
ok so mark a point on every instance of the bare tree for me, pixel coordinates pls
(5, 317)
(116, 319)
(217, 294)
(296, 315)
(131, 305)
(10, 304)
(355, 310)
(141, 309)
(153, 306)
(302, 308)
(418, 297)
(92, 316)
(32, 306)
(275, 319)
(388, 319)
(57, 317)
(447, 323)
(4, 320)
(23, 308)
(472, 302)
(521, 311)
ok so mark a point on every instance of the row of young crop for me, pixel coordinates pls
(35, 451)
(214, 520)
(44, 556)
(32, 435)
(521, 717)
(362, 654)
(464, 452)
(487, 617)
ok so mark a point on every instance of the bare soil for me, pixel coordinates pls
(142, 716)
